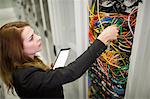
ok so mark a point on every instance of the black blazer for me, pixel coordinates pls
(32, 82)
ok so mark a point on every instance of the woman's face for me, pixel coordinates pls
(31, 41)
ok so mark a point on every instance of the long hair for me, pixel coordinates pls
(11, 52)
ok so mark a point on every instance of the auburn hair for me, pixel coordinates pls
(11, 52)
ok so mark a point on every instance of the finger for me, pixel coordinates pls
(118, 28)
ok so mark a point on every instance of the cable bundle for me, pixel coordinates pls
(108, 75)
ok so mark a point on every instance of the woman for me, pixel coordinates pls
(31, 78)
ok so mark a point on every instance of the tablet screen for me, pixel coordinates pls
(61, 58)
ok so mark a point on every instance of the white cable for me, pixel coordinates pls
(129, 20)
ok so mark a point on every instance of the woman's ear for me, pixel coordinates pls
(51, 66)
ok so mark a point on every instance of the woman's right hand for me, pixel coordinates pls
(109, 33)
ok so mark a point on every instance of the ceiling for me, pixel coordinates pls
(5, 3)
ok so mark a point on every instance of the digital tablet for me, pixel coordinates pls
(61, 58)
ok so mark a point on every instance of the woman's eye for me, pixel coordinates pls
(31, 38)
